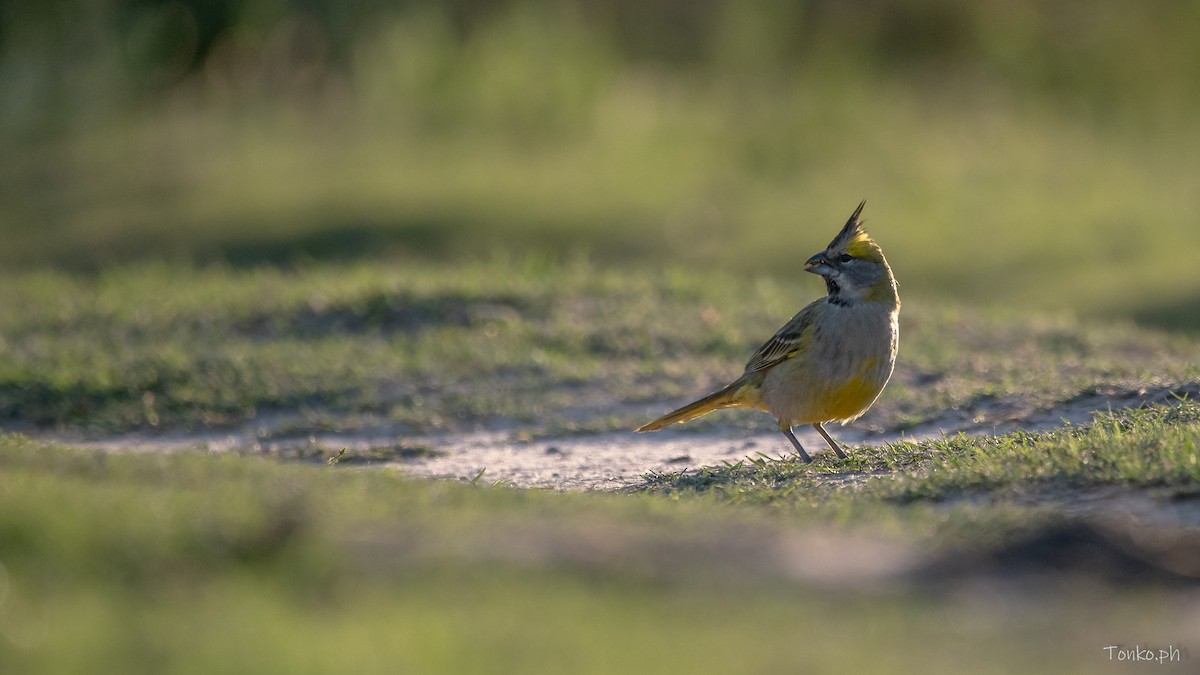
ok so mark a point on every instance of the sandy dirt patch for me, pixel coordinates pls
(605, 461)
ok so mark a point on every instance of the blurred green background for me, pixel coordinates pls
(1012, 152)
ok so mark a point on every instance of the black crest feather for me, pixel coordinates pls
(850, 228)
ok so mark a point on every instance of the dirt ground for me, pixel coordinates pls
(1110, 533)
(606, 461)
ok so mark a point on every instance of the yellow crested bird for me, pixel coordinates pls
(831, 361)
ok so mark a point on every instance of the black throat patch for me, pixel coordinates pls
(835, 296)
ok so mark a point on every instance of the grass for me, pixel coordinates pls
(199, 563)
(190, 562)
(998, 223)
(1150, 447)
(540, 345)
(986, 182)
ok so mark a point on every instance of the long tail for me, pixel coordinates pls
(732, 396)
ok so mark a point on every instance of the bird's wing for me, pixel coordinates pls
(793, 338)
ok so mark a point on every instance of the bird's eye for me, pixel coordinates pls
(845, 257)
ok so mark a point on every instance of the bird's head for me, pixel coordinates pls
(853, 266)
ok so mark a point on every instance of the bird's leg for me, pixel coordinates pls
(829, 439)
(787, 431)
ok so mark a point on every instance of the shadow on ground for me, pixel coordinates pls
(1180, 317)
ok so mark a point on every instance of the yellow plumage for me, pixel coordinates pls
(829, 362)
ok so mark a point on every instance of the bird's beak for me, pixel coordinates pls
(818, 264)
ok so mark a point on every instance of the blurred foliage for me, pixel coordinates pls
(1101, 53)
(1012, 152)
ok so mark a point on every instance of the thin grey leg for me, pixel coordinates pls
(829, 439)
(787, 431)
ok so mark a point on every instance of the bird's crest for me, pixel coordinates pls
(854, 240)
